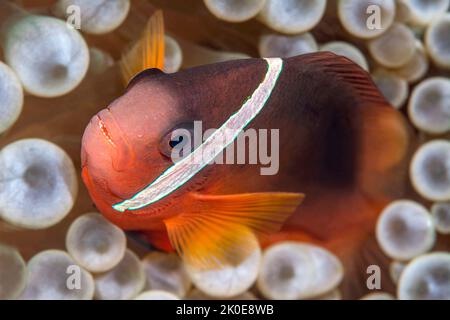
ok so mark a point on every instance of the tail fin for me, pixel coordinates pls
(147, 52)
(385, 144)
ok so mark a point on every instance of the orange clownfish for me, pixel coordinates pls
(340, 144)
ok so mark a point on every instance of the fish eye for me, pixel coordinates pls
(177, 143)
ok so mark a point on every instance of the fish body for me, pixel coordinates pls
(340, 144)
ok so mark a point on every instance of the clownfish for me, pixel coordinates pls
(342, 152)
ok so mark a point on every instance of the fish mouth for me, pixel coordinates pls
(104, 131)
(107, 129)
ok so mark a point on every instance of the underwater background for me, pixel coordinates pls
(408, 59)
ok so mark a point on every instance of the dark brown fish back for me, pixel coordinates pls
(360, 132)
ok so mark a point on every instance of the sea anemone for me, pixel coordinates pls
(395, 270)
(430, 170)
(196, 294)
(195, 55)
(173, 56)
(394, 88)
(96, 16)
(38, 183)
(424, 12)
(395, 47)
(354, 16)
(441, 216)
(48, 278)
(402, 11)
(437, 41)
(292, 16)
(166, 272)
(100, 61)
(125, 281)
(156, 295)
(50, 58)
(429, 105)
(292, 270)
(275, 45)
(426, 278)
(405, 230)
(334, 294)
(416, 68)
(234, 10)
(13, 273)
(11, 97)
(378, 296)
(227, 281)
(95, 243)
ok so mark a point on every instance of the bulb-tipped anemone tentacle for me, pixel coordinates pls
(38, 184)
(378, 296)
(239, 277)
(294, 270)
(275, 45)
(48, 278)
(426, 278)
(195, 55)
(347, 50)
(429, 105)
(430, 170)
(403, 12)
(366, 19)
(173, 56)
(424, 12)
(394, 88)
(50, 58)
(441, 215)
(234, 10)
(95, 243)
(96, 16)
(416, 68)
(405, 230)
(395, 270)
(394, 48)
(125, 281)
(166, 272)
(437, 43)
(292, 16)
(100, 61)
(11, 97)
(156, 295)
(196, 294)
(13, 273)
(334, 294)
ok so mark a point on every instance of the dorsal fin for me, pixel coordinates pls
(346, 70)
(147, 52)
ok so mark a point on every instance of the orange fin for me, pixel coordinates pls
(385, 144)
(219, 228)
(147, 52)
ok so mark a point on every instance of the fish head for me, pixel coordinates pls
(130, 143)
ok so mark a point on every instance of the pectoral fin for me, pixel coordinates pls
(218, 229)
